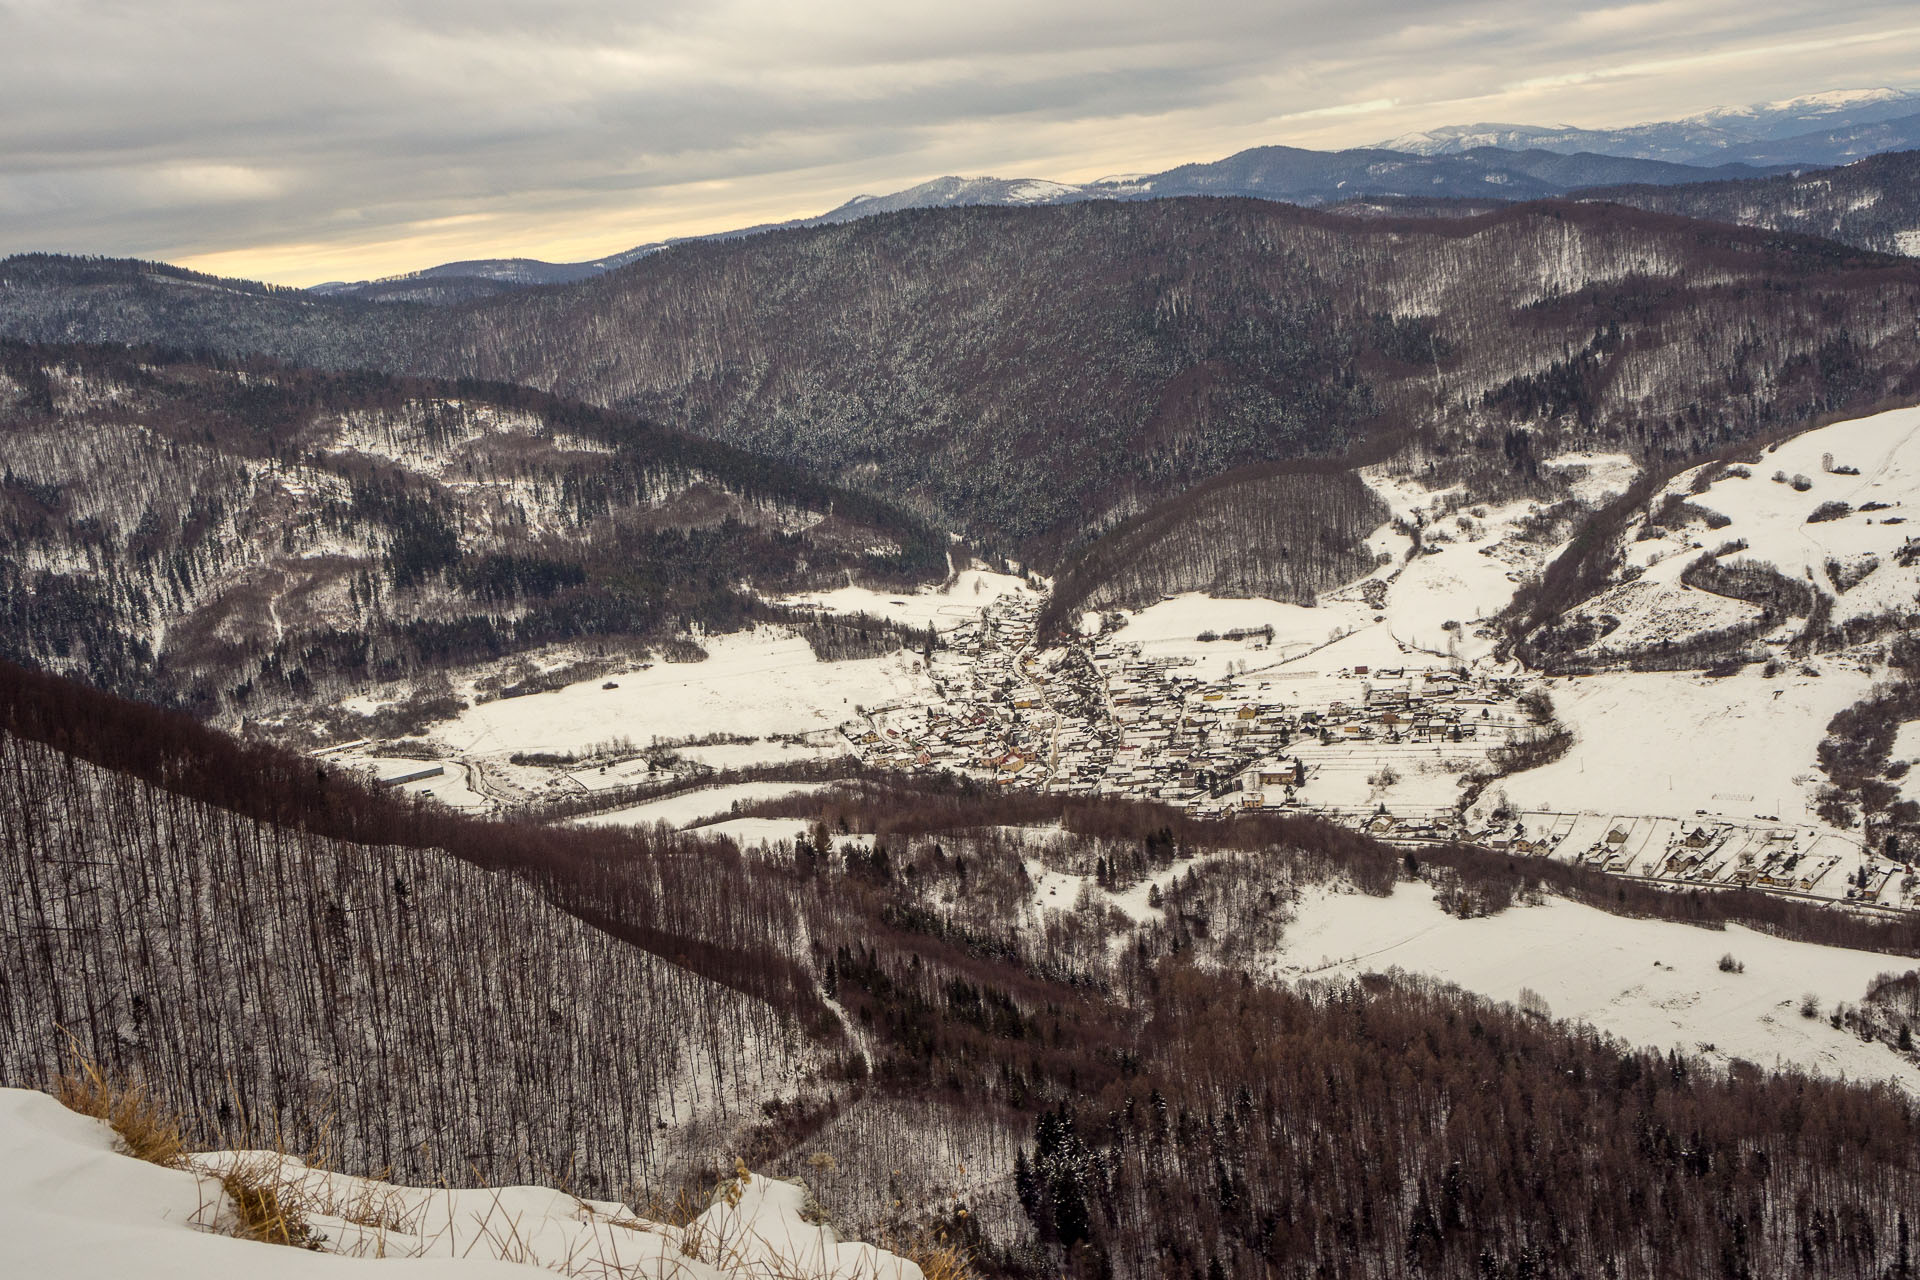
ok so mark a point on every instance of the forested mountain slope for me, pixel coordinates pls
(1870, 204)
(1277, 532)
(1027, 369)
(242, 534)
(1064, 1085)
(1036, 374)
(280, 952)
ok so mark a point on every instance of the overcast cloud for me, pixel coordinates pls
(298, 142)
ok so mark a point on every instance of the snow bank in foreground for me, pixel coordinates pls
(1649, 982)
(71, 1206)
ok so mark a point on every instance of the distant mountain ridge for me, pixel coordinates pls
(1817, 129)
(478, 278)
(1294, 175)
(1454, 162)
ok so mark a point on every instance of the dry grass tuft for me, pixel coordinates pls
(936, 1256)
(147, 1129)
(266, 1207)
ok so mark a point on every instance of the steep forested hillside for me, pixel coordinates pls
(242, 534)
(1279, 532)
(1870, 204)
(281, 952)
(1035, 374)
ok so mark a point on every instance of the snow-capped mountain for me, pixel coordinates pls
(1473, 161)
(1822, 128)
(942, 192)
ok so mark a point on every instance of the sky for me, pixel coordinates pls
(297, 142)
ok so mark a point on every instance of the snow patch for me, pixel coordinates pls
(689, 807)
(1650, 982)
(1675, 742)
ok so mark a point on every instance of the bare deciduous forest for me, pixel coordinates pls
(1867, 204)
(891, 1022)
(1277, 532)
(1031, 375)
(242, 535)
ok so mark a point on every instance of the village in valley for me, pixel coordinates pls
(1387, 705)
(1405, 752)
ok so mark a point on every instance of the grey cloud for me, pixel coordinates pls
(195, 126)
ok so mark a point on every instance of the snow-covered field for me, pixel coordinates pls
(1648, 982)
(1673, 743)
(1170, 629)
(824, 745)
(72, 1206)
(689, 807)
(754, 683)
(941, 608)
(1407, 777)
(1906, 746)
(450, 788)
(1765, 510)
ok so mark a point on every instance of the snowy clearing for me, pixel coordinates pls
(752, 833)
(1830, 507)
(689, 807)
(941, 608)
(1649, 982)
(754, 684)
(1675, 743)
(1596, 478)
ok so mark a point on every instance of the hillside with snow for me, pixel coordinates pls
(1826, 511)
(945, 1006)
(269, 543)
